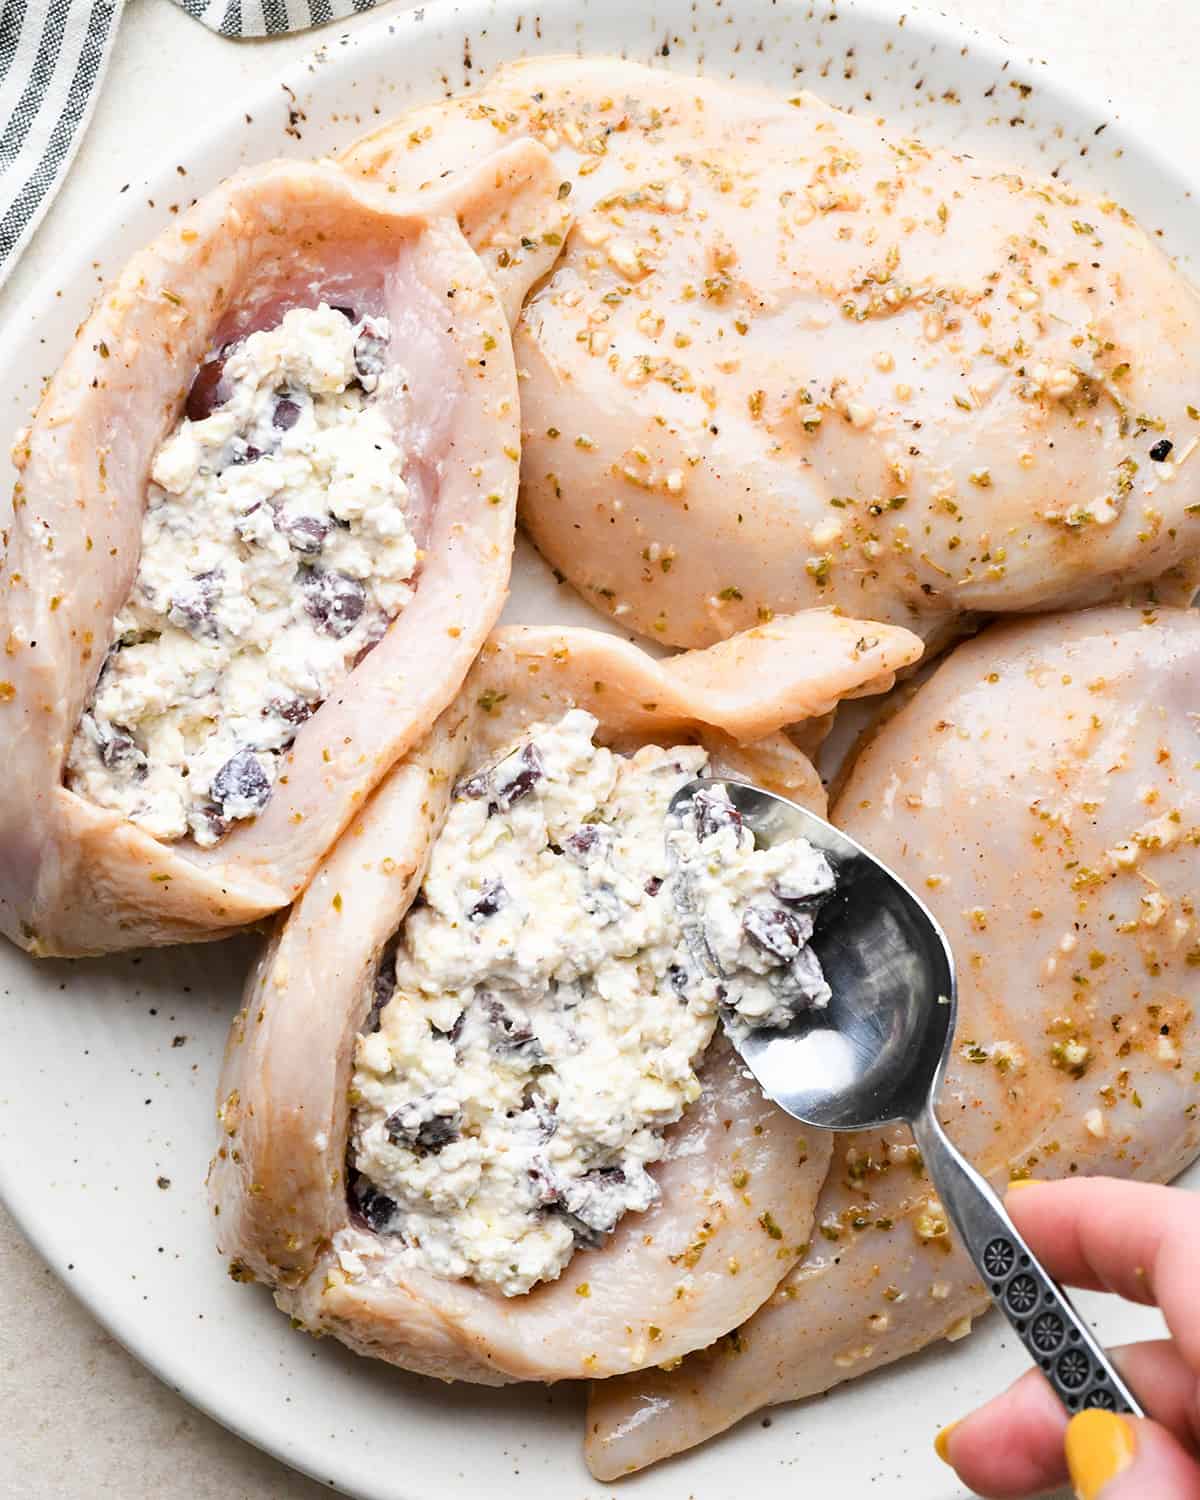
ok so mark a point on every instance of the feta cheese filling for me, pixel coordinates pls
(275, 552)
(546, 1018)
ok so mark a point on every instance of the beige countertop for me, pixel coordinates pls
(81, 1419)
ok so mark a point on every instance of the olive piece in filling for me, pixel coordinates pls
(370, 351)
(712, 813)
(286, 414)
(492, 896)
(513, 1034)
(241, 787)
(209, 389)
(191, 606)
(117, 748)
(774, 930)
(517, 776)
(583, 843)
(376, 1207)
(305, 534)
(334, 600)
(294, 711)
(423, 1136)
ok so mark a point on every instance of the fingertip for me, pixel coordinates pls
(1099, 1445)
(941, 1443)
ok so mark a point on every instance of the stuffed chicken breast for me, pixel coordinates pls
(476, 1118)
(263, 524)
(791, 357)
(1042, 793)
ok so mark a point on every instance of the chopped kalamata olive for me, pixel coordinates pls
(369, 356)
(653, 885)
(586, 1238)
(678, 977)
(773, 929)
(241, 787)
(423, 1137)
(712, 813)
(477, 786)
(286, 414)
(191, 607)
(605, 1174)
(601, 900)
(545, 1182)
(305, 534)
(590, 1199)
(517, 776)
(376, 1207)
(117, 748)
(802, 982)
(456, 1030)
(492, 896)
(209, 390)
(545, 1118)
(333, 600)
(1161, 450)
(242, 452)
(383, 987)
(513, 1034)
(347, 312)
(211, 821)
(582, 842)
(295, 711)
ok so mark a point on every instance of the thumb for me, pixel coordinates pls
(1117, 1458)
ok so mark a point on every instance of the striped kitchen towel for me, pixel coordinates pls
(53, 55)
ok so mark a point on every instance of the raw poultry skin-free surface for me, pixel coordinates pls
(1042, 793)
(791, 357)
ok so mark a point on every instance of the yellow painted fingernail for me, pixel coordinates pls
(1100, 1445)
(941, 1443)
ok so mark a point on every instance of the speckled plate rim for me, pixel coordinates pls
(1152, 183)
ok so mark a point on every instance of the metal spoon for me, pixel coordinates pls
(877, 1054)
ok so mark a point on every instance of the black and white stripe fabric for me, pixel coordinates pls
(270, 17)
(53, 55)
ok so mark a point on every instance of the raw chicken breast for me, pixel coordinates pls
(76, 878)
(661, 1284)
(790, 357)
(1042, 793)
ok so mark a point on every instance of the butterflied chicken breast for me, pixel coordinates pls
(263, 524)
(792, 357)
(1042, 793)
(475, 1116)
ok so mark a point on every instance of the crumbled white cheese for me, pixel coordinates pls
(747, 903)
(547, 1017)
(275, 550)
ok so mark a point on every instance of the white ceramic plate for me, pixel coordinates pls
(108, 1067)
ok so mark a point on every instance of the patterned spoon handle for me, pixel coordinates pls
(1056, 1337)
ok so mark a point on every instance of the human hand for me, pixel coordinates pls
(1143, 1243)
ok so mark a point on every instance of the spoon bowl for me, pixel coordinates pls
(877, 1053)
(870, 1057)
